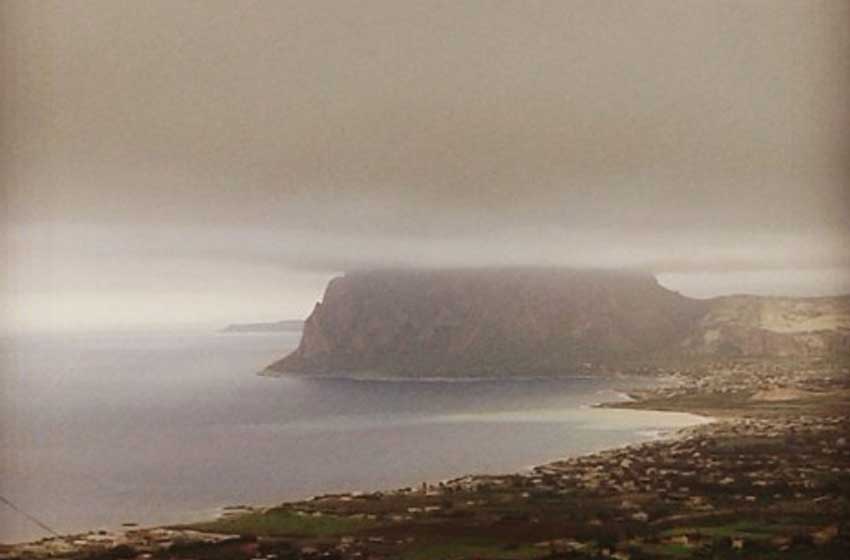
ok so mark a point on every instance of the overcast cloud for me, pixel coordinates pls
(169, 155)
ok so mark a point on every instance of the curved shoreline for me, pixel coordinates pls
(221, 510)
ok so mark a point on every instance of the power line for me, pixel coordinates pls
(30, 517)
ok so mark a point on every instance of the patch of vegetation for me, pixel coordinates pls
(463, 549)
(279, 522)
(743, 529)
(668, 550)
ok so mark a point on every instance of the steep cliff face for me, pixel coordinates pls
(488, 322)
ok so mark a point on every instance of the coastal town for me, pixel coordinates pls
(768, 478)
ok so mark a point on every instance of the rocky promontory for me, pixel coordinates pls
(535, 321)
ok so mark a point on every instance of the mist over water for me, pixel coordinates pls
(100, 429)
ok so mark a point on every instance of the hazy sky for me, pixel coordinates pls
(207, 162)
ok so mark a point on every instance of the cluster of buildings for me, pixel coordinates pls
(743, 377)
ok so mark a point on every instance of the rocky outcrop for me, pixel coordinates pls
(487, 322)
(481, 322)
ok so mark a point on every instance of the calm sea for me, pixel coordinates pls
(101, 429)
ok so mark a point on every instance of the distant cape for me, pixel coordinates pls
(278, 326)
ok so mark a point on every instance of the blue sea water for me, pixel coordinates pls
(104, 428)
